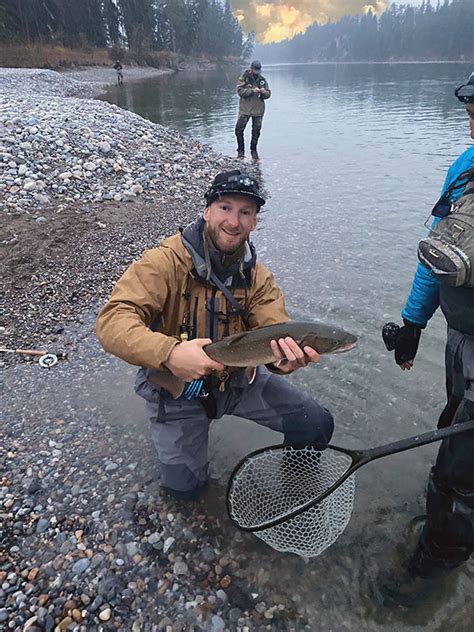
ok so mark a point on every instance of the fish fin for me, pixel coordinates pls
(235, 338)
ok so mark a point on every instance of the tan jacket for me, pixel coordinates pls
(252, 104)
(152, 291)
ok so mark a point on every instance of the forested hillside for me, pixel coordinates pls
(189, 27)
(402, 32)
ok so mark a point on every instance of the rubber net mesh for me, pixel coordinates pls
(272, 484)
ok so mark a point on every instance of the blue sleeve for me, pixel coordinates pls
(423, 299)
(463, 163)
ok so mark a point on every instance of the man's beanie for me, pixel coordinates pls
(234, 182)
(465, 93)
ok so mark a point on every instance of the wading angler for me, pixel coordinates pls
(196, 288)
(253, 91)
(445, 278)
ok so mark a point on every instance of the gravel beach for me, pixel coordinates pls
(88, 541)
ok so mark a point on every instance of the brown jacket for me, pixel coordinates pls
(152, 291)
(252, 104)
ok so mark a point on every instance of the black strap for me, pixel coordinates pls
(462, 180)
(229, 296)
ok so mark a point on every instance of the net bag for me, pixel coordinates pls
(275, 483)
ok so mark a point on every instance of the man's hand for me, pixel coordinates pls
(403, 340)
(189, 362)
(289, 356)
(406, 345)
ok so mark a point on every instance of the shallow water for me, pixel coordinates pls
(353, 157)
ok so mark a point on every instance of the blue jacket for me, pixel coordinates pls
(423, 299)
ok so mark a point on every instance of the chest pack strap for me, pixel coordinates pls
(229, 296)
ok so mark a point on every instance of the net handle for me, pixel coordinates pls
(415, 441)
(359, 458)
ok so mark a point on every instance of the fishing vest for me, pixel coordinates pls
(448, 253)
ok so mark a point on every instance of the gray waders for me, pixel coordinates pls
(447, 539)
(180, 428)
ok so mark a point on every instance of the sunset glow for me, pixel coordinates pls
(275, 20)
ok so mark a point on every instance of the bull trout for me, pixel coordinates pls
(252, 348)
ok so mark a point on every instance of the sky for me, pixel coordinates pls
(275, 20)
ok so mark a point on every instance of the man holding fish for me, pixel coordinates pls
(170, 309)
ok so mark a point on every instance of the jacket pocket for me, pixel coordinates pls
(144, 389)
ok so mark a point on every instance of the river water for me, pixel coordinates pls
(353, 157)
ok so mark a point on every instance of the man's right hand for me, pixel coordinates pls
(189, 361)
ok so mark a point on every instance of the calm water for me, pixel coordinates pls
(353, 157)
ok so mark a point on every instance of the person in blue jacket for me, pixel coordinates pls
(447, 539)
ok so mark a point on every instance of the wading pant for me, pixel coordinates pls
(239, 131)
(180, 428)
(448, 536)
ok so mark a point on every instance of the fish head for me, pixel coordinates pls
(331, 340)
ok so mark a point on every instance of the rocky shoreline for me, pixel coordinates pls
(88, 541)
(85, 187)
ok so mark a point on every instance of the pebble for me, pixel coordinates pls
(180, 568)
(104, 615)
(80, 566)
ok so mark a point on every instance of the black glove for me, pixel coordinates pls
(404, 340)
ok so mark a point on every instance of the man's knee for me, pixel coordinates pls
(312, 424)
(256, 125)
(240, 125)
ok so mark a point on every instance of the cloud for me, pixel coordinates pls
(275, 20)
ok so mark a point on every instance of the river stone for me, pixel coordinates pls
(105, 147)
(180, 568)
(80, 566)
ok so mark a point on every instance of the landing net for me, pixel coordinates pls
(274, 483)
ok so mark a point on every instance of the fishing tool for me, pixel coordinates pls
(46, 360)
(193, 389)
(300, 499)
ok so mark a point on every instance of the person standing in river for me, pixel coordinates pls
(253, 91)
(447, 539)
(197, 287)
(119, 69)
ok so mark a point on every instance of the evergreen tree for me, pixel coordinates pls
(188, 27)
(402, 32)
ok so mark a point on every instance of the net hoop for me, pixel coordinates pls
(280, 481)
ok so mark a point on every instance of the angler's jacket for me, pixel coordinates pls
(426, 292)
(252, 104)
(141, 321)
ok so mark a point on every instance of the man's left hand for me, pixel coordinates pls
(289, 356)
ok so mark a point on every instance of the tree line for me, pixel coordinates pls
(189, 27)
(401, 32)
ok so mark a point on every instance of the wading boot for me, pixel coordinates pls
(414, 582)
(399, 588)
(240, 153)
(254, 154)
